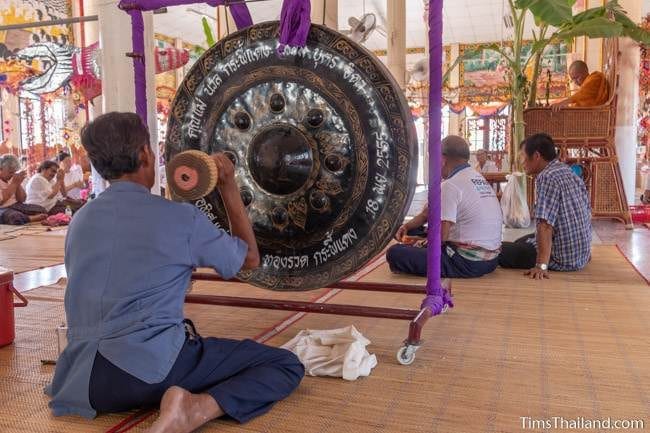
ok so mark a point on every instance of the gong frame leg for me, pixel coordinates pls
(415, 327)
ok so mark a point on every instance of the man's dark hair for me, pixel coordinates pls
(46, 165)
(61, 156)
(542, 143)
(455, 147)
(113, 142)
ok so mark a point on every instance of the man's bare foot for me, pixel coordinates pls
(37, 217)
(183, 412)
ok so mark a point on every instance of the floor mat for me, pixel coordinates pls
(576, 345)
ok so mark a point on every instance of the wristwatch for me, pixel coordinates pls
(542, 266)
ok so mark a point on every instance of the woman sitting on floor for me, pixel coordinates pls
(13, 209)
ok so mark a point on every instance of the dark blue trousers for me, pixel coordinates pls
(520, 254)
(244, 377)
(408, 259)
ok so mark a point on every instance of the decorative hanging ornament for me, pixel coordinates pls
(169, 58)
(56, 66)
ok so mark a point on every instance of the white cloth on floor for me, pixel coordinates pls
(333, 352)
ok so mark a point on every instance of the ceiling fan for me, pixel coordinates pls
(420, 70)
(361, 28)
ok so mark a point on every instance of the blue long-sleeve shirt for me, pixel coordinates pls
(129, 257)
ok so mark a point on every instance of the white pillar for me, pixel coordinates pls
(180, 74)
(118, 86)
(396, 38)
(593, 55)
(331, 13)
(628, 102)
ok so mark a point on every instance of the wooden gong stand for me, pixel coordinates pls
(417, 318)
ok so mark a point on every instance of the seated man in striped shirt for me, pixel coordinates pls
(562, 240)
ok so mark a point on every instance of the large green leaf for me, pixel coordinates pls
(599, 27)
(621, 17)
(630, 28)
(554, 12)
(637, 34)
(539, 46)
(589, 14)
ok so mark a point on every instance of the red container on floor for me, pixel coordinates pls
(640, 213)
(7, 304)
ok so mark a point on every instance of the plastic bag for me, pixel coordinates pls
(513, 202)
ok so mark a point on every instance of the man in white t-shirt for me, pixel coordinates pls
(471, 222)
(483, 164)
(43, 190)
(73, 178)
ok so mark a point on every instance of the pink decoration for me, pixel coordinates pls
(84, 78)
(168, 59)
(59, 219)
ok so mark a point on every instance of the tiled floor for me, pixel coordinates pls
(635, 244)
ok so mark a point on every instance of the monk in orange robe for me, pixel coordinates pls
(593, 91)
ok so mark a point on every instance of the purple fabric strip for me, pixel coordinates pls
(139, 73)
(437, 297)
(240, 14)
(134, 8)
(295, 22)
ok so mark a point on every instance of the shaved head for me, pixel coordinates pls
(579, 66)
(578, 71)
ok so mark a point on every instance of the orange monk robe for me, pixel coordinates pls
(594, 91)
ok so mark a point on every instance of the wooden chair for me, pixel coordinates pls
(585, 136)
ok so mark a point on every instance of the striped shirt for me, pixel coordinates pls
(562, 201)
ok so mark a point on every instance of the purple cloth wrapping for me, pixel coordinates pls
(437, 297)
(139, 73)
(134, 8)
(295, 22)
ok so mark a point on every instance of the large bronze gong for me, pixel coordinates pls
(323, 143)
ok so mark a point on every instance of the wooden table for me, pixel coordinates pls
(495, 180)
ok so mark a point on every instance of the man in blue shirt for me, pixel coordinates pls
(129, 257)
(562, 241)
